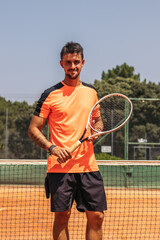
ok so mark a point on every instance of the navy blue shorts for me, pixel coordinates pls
(87, 189)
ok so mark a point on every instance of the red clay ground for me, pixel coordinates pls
(132, 214)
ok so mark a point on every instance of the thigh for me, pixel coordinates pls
(91, 194)
(62, 189)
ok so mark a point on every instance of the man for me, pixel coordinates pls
(75, 176)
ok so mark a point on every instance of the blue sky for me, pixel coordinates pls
(32, 33)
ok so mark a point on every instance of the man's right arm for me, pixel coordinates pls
(36, 135)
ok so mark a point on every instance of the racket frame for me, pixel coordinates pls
(98, 133)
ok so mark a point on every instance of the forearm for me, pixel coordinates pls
(36, 135)
(63, 154)
(98, 124)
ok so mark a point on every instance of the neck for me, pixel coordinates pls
(72, 82)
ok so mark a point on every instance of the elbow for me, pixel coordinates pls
(29, 132)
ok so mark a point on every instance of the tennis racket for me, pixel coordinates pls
(109, 114)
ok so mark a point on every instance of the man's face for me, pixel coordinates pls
(72, 64)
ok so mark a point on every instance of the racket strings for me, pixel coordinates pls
(109, 114)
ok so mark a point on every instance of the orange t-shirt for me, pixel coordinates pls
(67, 109)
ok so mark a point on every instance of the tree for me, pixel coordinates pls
(146, 115)
(19, 144)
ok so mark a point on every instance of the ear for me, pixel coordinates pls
(83, 62)
(61, 63)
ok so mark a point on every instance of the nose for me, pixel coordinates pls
(73, 65)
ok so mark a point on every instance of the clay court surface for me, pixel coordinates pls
(132, 214)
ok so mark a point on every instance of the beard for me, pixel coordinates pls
(72, 77)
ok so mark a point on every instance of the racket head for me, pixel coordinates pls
(110, 113)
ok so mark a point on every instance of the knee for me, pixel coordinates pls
(96, 219)
(62, 218)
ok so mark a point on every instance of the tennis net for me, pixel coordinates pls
(133, 199)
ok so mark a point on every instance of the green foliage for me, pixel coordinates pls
(19, 144)
(120, 79)
(105, 156)
(123, 71)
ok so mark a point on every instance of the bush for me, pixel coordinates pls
(105, 156)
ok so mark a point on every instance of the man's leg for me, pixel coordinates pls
(94, 225)
(60, 227)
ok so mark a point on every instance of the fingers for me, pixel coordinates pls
(92, 138)
(63, 154)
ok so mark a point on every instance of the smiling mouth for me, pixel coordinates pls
(73, 70)
(73, 74)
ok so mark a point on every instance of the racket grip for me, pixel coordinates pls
(75, 146)
(72, 149)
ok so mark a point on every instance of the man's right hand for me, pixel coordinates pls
(63, 154)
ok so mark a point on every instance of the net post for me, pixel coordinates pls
(126, 132)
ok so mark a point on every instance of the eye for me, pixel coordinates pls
(76, 62)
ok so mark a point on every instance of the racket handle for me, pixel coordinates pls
(75, 146)
(72, 149)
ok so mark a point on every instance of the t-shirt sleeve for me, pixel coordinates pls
(43, 106)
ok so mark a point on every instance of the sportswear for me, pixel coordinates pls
(87, 189)
(67, 109)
